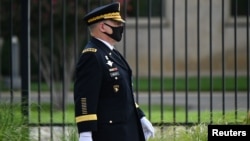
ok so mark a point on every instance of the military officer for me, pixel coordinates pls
(105, 109)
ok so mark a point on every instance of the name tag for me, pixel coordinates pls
(114, 74)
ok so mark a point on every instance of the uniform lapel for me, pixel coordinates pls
(116, 58)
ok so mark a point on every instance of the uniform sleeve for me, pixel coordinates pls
(139, 111)
(87, 85)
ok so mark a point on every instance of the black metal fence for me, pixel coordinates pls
(192, 56)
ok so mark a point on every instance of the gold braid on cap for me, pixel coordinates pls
(115, 15)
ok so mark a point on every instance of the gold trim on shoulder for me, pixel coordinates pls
(89, 50)
(86, 118)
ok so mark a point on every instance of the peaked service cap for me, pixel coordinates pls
(109, 11)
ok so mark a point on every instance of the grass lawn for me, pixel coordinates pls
(204, 83)
(10, 119)
(168, 116)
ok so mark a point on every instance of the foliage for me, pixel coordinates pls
(11, 129)
(11, 123)
(181, 133)
(57, 34)
(204, 83)
(56, 31)
(144, 7)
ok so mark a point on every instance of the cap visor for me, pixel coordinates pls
(119, 20)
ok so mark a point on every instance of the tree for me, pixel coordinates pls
(57, 36)
(53, 35)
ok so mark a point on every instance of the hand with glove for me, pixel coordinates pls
(85, 136)
(147, 127)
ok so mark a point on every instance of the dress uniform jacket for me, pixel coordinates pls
(103, 95)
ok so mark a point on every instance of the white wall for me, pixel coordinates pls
(195, 43)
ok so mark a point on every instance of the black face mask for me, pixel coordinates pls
(117, 32)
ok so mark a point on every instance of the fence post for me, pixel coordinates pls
(25, 61)
(1, 43)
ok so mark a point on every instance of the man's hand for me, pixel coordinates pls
(85, 136)
(147, 127)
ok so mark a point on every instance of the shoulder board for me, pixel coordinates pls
(89, 50)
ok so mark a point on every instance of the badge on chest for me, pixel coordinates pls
(113, 72)
(116, 88)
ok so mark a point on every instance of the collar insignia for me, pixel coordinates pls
(110, 63)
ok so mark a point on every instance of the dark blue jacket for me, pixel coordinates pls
(103, 95)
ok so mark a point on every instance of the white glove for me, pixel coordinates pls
(147, 127)
(85, 136)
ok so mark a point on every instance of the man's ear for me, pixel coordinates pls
(102, 27)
